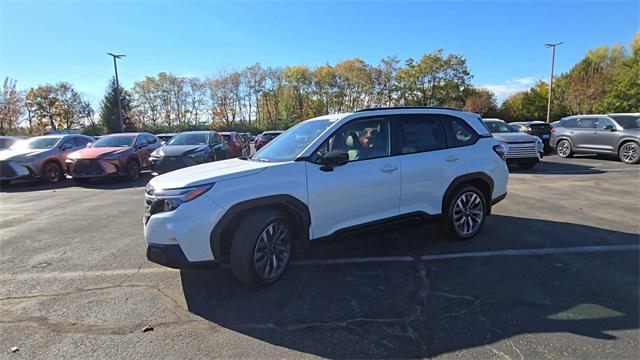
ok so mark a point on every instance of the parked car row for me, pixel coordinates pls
(50, 157)
(523, 149)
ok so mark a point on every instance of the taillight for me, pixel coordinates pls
(501, 150)
(552, 131)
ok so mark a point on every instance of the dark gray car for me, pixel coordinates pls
(189, 148)
(614, 134)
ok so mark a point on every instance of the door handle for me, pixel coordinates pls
(388, 168)
(451, 158)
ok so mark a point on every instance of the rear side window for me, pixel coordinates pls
(570, 123)
(459, 133)
(422, 133)
(587, 123)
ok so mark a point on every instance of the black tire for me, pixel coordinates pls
(629, 153)
(81, 181)
(560, 149)
(52, 172)
(527, 165)
(132, 171)
(450, 214)
(245, 245)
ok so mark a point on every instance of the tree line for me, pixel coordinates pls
(257, 97)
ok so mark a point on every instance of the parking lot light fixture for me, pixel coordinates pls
(553, 57)
(115, 67)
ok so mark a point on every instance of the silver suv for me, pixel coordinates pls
(614, 134)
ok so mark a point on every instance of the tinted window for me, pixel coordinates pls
(627, 121)
(68, 141)
(364, 139)
(570, 123)
(422, 134)
(150, 139)
(459, 133)
(602, 122)
(587, 123)
(216, 138)
(81, 141)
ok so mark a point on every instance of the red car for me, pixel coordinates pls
(236, 144)
(113, 155)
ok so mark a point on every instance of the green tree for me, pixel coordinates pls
(622, 93)
(109, 117)
(481, 101)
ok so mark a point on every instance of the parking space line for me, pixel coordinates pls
(526, 252)
(373, 259)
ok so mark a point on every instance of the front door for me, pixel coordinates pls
(365, 189)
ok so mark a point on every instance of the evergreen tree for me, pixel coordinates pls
(109, 117)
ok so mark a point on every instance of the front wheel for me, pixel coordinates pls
(52, 172)
(465, 213)
(629, 153)
(564, 149)
(132, 171)
(261, 248)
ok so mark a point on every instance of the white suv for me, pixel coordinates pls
(323, 178)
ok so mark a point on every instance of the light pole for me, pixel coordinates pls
(115, 67)
(553, 59)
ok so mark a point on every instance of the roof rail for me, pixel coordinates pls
(407, 107)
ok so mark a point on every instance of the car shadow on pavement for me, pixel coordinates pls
(115, 183)
(413, 308)
(558, 168)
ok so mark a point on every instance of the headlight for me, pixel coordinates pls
(171, 199)
(501, 149)
(112, 157)
(197, 154)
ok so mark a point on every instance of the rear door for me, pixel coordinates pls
(365, 189)
(427, 165)
(582, 134)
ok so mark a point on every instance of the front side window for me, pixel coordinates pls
(362, 139)
(68, 141)
(459, 133)
(422, 134)
(291, 143)
(115, 141)
(81, 141)
(603, 122)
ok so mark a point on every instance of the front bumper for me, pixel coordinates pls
(10, 170)
(94, 168)
(189, 227)
(173, 257)
(165, 164)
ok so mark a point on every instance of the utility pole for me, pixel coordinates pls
(115, 68)
(553, 59)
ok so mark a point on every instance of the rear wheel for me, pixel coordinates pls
(132, 171)
(52, 172)
(564, 149)
(465, 213)
(261, 247)
(629, 153)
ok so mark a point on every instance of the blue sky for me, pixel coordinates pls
(50, 41)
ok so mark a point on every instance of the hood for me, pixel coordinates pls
(94, 153)
(179, 150)
(209, 173)
(18, 154)
(514, 137)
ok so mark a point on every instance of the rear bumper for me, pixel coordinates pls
(173, 257)
(497, 199)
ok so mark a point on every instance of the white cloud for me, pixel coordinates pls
(510, 87)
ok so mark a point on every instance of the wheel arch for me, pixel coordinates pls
(624, 141)
(222, 234)
(479, 179)
(55, 160)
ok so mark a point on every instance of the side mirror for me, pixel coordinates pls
(332, 159)
(610, 127)
(65, 147)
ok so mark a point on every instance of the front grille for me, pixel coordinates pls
(6, 170)
(170, 163)
(88, 168)
(521, 150)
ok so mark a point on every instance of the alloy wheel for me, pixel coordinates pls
(629, 153)
(53, 173)
(272, 251)
(468, 213)
(563, 149)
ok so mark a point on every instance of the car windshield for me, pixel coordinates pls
(288, 145)
(627, 121)
(497, 127)
(114, 141)
(189, 139)
(36, 143)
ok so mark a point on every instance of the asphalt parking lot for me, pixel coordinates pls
(554, 274)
